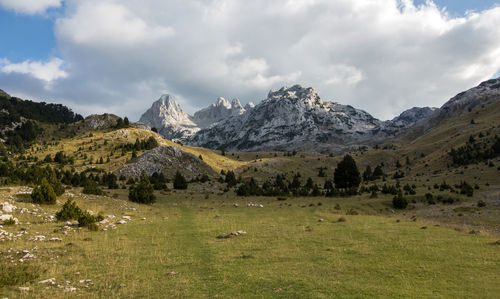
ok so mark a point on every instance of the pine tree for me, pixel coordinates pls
(367, 174)
(143, 192)
(44, 193)
(231, 179)
(179, 181)
(346, 175)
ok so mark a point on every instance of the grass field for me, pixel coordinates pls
(286, 251)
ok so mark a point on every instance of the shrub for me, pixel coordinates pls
(86, 219)
(352, 212)
(92, 188)
(341, 219)
(430, 199)
(143, 192)
(69, 211)
(44, 193)
(9, 221)
(481, 203)
(399, 202)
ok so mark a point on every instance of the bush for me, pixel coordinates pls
(143, 192)
(179, 181)
(86, 219)
(352, 212)
(9, 221)
(44, 193)
(69, 211)
(399, 202)
(92, 188)
(481, 204)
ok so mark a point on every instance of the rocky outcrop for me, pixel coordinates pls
(101, 121)
(166, 160)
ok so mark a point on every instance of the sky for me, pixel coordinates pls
(382, 56)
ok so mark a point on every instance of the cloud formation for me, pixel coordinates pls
(30, 7)
(44, 71)
(379, 55)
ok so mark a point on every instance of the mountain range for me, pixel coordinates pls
(296, 118)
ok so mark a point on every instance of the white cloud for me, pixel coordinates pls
(101, 23)
(30, 7)
(45, 71)
(379, 55)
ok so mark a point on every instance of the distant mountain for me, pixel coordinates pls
(294, 118)
(167, 116)
(484, 93)
(218, 111)
(411, 116)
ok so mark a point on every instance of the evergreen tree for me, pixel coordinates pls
(367, 174)
(44, 193)
(346, 175)
(231, 179)
(378, 172)
(179, 181)
(399, 202)
(143, 191)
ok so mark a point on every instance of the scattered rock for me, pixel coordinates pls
(172, 273)
(24, 289)
(121, 222)
(126, 218)
(7, 207)
(321, 220)
(50, 281)
(70, 289)
(223, 236)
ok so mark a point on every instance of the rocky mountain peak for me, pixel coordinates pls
(168, 117)
(411, 116)
(485, 92)
(297, 93)
(222, 102)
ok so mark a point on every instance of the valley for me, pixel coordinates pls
(253, 224)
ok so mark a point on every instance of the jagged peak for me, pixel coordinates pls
(305, 94)
(236, 104)
(167, 100)
(222, 102)
(249, 106)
